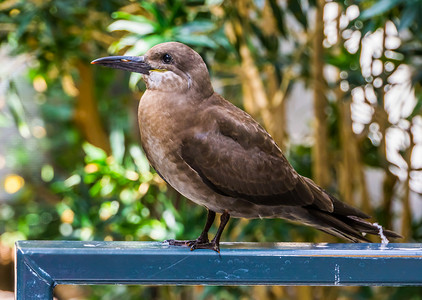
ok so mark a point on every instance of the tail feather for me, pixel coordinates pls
(329, 203)
(344, 209)
(332, 224)
(367, 227)
(346, 222)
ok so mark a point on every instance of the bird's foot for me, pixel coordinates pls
(199, 243)
(209, 245)
(188, 243)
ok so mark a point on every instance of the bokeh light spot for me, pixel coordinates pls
(13, 183)
(39, 83)
(67, 216)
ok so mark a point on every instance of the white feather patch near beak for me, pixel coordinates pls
(167, 81)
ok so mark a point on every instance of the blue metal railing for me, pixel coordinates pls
(41, 265)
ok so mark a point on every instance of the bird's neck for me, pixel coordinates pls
(179, 84)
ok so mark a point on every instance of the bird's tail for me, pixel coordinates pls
(343, 220)
(349, 227)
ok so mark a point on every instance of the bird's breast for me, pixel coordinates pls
(159, 129)
(162, 125)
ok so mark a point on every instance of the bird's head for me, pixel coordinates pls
(167, 67)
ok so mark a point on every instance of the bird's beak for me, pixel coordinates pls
(129, 63)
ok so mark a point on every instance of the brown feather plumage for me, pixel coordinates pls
(220, 157)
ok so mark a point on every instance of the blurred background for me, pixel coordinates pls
(336, 83)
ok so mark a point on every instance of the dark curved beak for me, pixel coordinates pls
(129, 63)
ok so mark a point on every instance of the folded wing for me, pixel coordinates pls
(238, 158)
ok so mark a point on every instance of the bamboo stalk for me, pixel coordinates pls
(321, 172)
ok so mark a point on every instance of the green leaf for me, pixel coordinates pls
(24, 24)
(139, 158)
(94, 153)
(117, 141)
(196, 27)
(197, 40)
(144, 44)
(154, 9)
(95, 189)
(17, 109)
(408, 16)
(131, 26)
(73, 180)
(135, 18)
(134, 78)
(128, 40)
(379, 8)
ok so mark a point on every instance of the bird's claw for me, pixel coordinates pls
(199, 243)
(208, 245)
(188, 243)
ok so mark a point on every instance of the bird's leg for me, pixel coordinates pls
(202, 239)
(215, 243)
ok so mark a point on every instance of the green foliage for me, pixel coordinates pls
(56, 30)
(168, 21)
(160, 22)
(112, 200)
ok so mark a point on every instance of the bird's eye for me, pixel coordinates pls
(167, 58)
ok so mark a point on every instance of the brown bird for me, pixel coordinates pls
(216, 155)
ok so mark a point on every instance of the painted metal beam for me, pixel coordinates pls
(41, 265)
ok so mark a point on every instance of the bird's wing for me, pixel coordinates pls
(236, 157)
